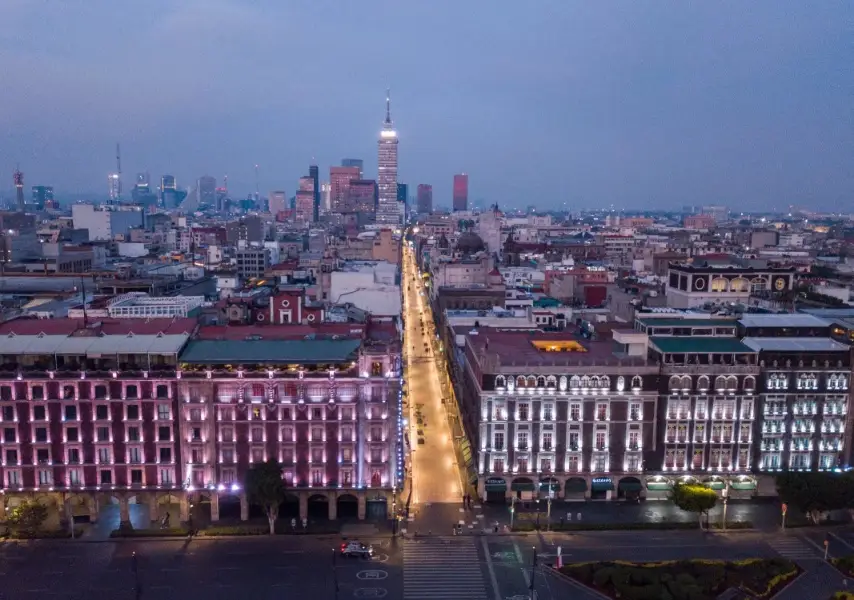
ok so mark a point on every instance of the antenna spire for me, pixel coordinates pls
(388, 106)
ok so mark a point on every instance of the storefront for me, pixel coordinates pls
(575, 488)
(715, 483)
(743, 486)
(658, 488)
(523, 487)
(549, 488)
(629, 488)
(601, 488)
(495, 489)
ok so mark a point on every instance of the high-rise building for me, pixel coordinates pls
(114, 187)
(42, 197)
(278, 202)
(362, 196)
(461, 192)
(143, 179)
(402, 193)
(388, 211)
(339, 181)
(325, 197)
(167, 188)
(354, 162)
(207, 191)
(314, 173)
(18, 178)
(425, 199)
(304, 206)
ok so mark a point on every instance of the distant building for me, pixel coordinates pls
(339, 182)
(42, 197)
(362, 196)
(358, 163)
(108, 222)
(425, 199)
(314, 174)
(278, 202)
(461, 192)
(253, 262)
(699, 222)
(207, 191)
(304, 206)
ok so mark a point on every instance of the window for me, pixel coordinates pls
(165, 476)
(103, 434)
(196, 435)
(522, 440)
(257, 434)
(106, 477)
(11, 457)
(134, 455)
(162, 391)
(37, 392)
(8, 413)
(74, 477)
(498, 465)
(498, 441)
(163, 434)
(6, 392)
(104, 456)
(39, 413)
(133, 434)
(523, 411)
(73, 456)
(136, 476)
(634, 440)
(41, 434)
(45, 476)
(132, 412)
(13, 478)
(573, 444)
(100, 392)
(317, 455)
(316, 477)
(72, 434)
(197, 457)
(317, 434)
(70, 412)
(547, 441)
(635, 411)
(546, 465)
(573, 464)
(522, 464)
(347, 434)
(10, 434)
(575, 412)
(195, 414)
(102, 412)
(600, 440)
(163, 412)
(257, 455)
(346, 454)
(227, 434)
(43, 456)
(548, 411)
(602, 411)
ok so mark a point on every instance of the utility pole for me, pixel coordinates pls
(533, 573)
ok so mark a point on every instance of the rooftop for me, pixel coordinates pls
(699, 345)
(795, 344)
(221, 352)
(279, 332)
(693, 322)
(782, 320)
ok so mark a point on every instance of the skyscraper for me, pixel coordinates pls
(42, 197)
(18, 177)
(388, 211)
(362, 196)
(425, 199)
(207, 191)
(278, 201)
(461, 192)
(354, 162)
(114, 187)
(314, 173)
(339, 182)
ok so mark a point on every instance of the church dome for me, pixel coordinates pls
(470, 243)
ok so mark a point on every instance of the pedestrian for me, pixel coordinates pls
(454, 528)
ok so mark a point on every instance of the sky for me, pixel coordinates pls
(553, 103)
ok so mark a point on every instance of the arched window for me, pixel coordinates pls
(520, 382)
(637, 382)
(719, 284)
(703, 382)
(739, 284)
(532, 381)
(720, 383)
(585, 381)
(551, 382)
(541, 381)
(575, 382)
(686, 382)
(750, 383)
(563, 383)
(621, 383)
(732, 382)
(594, 382)
(500, 382)
(674, 383)
(758, 284)
(605, 382)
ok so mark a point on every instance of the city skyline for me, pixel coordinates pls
(647, 106)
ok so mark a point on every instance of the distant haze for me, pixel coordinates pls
(635, 104)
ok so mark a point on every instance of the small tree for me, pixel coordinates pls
(813, 493)
(694, 498)
(27, 518)
(266, 488)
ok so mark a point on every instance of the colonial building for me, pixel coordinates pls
(556, 415)
(163, 414)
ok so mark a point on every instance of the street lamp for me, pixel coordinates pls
(725, 495)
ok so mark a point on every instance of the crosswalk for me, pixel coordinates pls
(793, 548)
(442, 568)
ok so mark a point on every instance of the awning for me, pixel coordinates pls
(495, 484)
(601, 484)
(716, 484)
(522, 485)
(658, 486)
(743, 485)
(630, 486)
(550, 484)
(575, 485)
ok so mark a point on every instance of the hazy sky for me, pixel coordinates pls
(637, 104)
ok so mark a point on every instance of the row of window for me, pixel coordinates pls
(716, 434)
(575, 382)
(599, 463)
(722, 409)
(75, 477)
(774, 461)
(71, 392)
(72, 434)
(806, 381)
(602, 411)
(70, 412)
(718, 459)
(103, 456)
(573, 441)
(703, 382)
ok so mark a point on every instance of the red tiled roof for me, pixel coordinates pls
(105, 326)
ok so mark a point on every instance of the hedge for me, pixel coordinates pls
(642, 525)
(150, 533)
(53, 534)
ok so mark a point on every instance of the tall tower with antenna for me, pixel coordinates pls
(257, 187)
(388, 211)
(114, 180)
(19, 189)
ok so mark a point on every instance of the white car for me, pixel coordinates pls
(356, 549)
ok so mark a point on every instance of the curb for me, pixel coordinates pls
(790, 584)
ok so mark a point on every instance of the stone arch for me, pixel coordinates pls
(629, 487)
(703, 382)
(347, 506)
(318, 506)
(720, 383)
(674, 383)
(605, 382)
(166, 505)
(289, 507)
(551, 382)
(686, 382)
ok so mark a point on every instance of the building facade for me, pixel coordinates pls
(705, 282)
(388, 211)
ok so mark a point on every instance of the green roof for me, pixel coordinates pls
(697, 344)
(223, 352)
(665, 322)
(546, 302)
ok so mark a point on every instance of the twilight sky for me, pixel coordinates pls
(638, 104)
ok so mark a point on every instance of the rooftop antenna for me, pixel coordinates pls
(119, 170)
(257, 187)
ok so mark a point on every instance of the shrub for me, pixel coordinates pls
(149, 533)
(236, 530)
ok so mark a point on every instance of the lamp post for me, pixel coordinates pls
(549, 509)
(725, 495)
(512, 510)
(533, 572)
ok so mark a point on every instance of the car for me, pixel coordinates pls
(356, 550)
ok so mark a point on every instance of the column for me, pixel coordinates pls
(244, 507)
(362, 506)
(185, 508)
(303, 505)
(333, 505)
(124, 514)
(390, 504)
(92, 505)
(214, 508)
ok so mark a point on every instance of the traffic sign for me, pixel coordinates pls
(784, 508)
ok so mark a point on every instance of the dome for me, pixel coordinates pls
(470, 243)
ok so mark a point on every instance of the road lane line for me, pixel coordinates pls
(490, 568)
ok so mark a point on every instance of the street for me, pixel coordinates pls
(435, 473)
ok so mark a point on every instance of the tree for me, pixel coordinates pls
(692, 497)
(27, 518)
(814, 493)
(266, 488)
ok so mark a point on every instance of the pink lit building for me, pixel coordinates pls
(339, 181)
(461, 192)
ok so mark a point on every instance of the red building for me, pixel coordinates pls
(461, 192)
(339, 183)
(161, 414)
